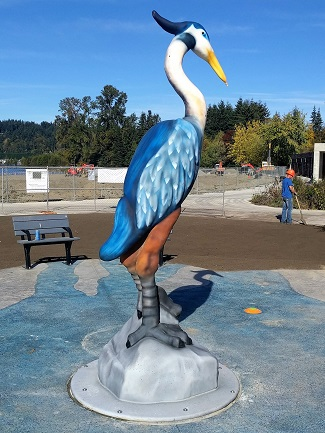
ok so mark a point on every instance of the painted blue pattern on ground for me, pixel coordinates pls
(277, 355)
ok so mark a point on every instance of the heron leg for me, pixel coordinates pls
(147, 259)
(172, 335)
(137, 283)
(164, 300)
(143, 260)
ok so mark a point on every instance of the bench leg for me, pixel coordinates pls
(27, 256)
(68, 252)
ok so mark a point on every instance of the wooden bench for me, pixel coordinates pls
(34, 230)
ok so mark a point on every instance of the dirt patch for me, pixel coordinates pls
(214, 243)
(63, 187)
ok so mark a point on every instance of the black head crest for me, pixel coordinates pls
(169, 26)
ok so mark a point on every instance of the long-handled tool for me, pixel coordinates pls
(301, 216)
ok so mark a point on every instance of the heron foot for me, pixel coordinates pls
(172, 335)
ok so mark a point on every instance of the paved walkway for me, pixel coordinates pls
(234, 203)
(237, 205)
(54, 319)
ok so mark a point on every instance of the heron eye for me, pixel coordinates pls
(205, 35)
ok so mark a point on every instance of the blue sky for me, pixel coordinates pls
(271, 51)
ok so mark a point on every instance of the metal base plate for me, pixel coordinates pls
(85, 388)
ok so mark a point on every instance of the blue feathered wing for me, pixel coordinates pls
(160, 176)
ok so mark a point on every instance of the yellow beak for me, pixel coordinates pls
(215, 65)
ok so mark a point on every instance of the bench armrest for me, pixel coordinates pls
(69, 231)
(27, 233)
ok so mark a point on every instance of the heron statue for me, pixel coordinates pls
(159, 178)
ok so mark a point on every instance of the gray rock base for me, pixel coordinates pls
(153, 372)
(152, 382)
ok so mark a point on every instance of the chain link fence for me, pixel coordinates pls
(91, 189)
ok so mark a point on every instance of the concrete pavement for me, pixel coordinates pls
(233, 204)
(237, 205)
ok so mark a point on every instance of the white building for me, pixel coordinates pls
(319, 161)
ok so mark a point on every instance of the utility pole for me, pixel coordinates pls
(269, 155)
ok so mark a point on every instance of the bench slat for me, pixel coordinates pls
(48, 241)
(40, 217)
(26, 226)
(42, 231)
(42, 221)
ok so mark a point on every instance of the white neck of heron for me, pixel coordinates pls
(193, 99)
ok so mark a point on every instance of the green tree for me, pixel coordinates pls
(287, 135)
(19, 138)
(317, 125)
(219, 118)
(108, 148)
(145, 122)
(129, 138)
(213, 151)
(249, 145)
(111, 105)
(246, 111)
(296, 129)
(73, 127)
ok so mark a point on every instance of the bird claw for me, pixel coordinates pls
(172, 335)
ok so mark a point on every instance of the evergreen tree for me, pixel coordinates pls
(316, 120)
(22, 139)
(219, 118)
(317, 125)
(246, 111)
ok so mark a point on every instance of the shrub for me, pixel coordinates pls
(270, 197)
(311, 196)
